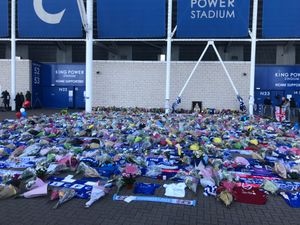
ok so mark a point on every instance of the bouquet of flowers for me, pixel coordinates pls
(129, 174)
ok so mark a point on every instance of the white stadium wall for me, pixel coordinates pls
(142, 83)
(23, 76)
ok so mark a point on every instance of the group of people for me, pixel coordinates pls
(19, 99)
(289, 105)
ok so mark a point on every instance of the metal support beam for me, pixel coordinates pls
(225, 69)
(194, 69)
(169, 53)
(89, 58)
(13, 55)
(253, 56)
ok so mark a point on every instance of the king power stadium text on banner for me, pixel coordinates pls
(49, 19)
(277, 78)
(212, 18)
(4, 18)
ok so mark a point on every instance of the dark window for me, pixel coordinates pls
(193, 53)
(266, 54)
(100, 53)
(78, 53)
(146, 52)
(42, 53)
(2, 51)
(298, 54)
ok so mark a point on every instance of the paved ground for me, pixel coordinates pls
(107, 212)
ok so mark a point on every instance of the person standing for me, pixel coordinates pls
(268, 107)
(18, 101)
(22, 99)
(28, 98)
(293, 107)
(285, 105)
(7, 101)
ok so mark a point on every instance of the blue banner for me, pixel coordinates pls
(67, 75)
(281, 19)
(36, 85)
(49, 19)
(4, 18)
(131, 18)
(277, 78)
(212, 18)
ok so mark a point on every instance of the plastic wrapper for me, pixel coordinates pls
(31, 150)
(192, 183)
(207, 182)
(97, 193)
(153, 171)
(280, 169)
(241, 161)
(37, 191)
(87, 170)
(28, 173)
(56, 168)
(64, 196)
(269, 186)
(7, 191)
(226, 198)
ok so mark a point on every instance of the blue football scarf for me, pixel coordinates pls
(292, 199)
(156, 199)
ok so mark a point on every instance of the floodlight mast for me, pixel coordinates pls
(253, 56)
(87, 22)
(13, 55)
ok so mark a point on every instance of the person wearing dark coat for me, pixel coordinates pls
(28, 97)
(22, 99)
(6, 99)
(18, 102)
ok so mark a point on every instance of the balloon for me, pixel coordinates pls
(24, 114)
(18, 115)
(26, 104)
(22, 110)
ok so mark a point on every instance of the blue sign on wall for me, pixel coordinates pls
(3, 18)
(281, 18)
(36, 85)
(49, 19)
(212, 18)
(277, 78)
(131, 18)
(57, 97)
(68, 75)
(58, 85)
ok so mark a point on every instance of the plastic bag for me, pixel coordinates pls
(269, 186)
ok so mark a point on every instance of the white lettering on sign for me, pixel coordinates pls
(45, 16)
(212, 9)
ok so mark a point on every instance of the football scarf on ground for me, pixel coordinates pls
(155, 199)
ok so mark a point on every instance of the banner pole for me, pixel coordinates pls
(13, 55)
(89, 58)
(253, 56)
(169, 53)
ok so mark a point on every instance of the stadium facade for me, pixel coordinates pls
(129, 72)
